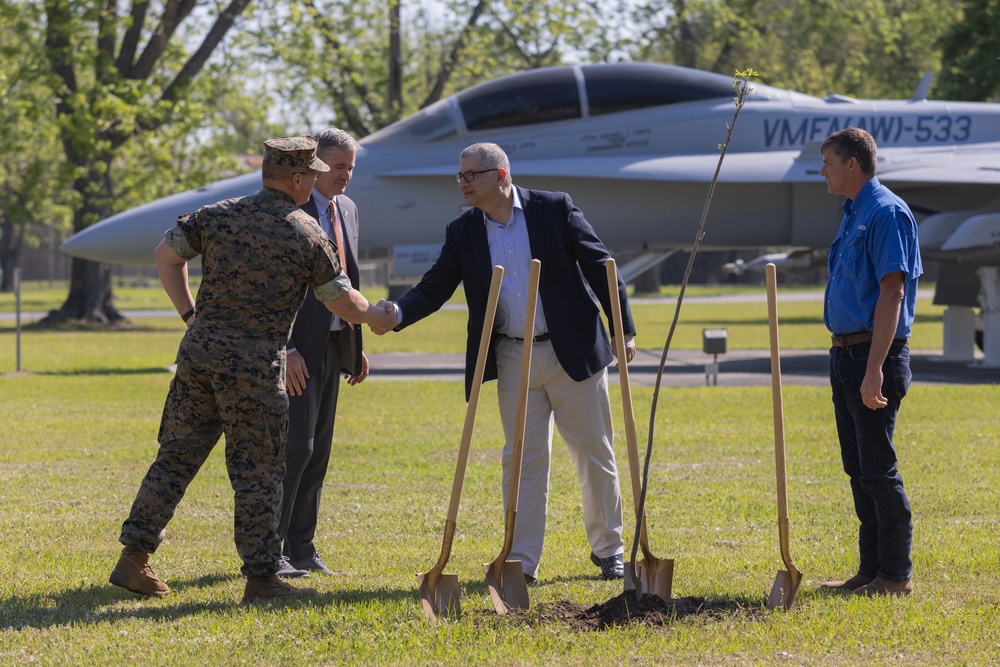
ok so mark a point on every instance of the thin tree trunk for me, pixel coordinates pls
(10, 248)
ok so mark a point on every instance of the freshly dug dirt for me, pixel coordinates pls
(623, 610)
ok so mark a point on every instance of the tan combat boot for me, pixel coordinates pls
(273, 586)
(134, 573)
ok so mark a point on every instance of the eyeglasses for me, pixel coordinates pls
(470, 176)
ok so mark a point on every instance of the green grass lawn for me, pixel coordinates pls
(78, 432)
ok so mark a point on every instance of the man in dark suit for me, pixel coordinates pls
(320, 348)
(510, 226)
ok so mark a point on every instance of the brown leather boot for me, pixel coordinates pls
(134, 573)
(883, 586)
(847, 586)
(273, 586)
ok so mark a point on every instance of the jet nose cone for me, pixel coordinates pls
(114, 241)
(129, 237)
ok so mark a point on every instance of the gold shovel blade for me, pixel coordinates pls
(786, 585)
(442, 599)
(508, 589)
(657, 577)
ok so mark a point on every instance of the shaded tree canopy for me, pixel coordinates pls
(971, 53)
(117, 76)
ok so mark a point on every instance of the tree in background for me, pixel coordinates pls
(876, 49)
(32, 184)
(971, 53)
(118, 78)
(358, 59)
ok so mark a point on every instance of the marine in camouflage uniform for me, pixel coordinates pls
(259, 253)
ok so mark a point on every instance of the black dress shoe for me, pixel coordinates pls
(612, 567)
(287, 571)
(530, 580)
(314, 564)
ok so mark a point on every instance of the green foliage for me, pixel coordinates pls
(33, 187)
(970, 53)
(869, 49)
(342, 55)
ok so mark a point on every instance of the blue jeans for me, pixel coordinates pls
(886, 532)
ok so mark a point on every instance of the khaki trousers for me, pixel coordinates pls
(582, 413)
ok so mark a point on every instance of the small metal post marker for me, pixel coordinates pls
(714, 343)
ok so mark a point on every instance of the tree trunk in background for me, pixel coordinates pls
(10, 247)
(90, 295)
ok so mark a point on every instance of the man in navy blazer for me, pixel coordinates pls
(510, 226)
(319, 349)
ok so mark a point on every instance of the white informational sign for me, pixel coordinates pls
(413, 260)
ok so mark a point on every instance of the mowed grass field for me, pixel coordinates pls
(78, 431)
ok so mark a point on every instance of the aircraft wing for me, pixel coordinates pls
(741, 168)
(901, 165)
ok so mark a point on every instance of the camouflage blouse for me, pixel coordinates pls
(258, 255)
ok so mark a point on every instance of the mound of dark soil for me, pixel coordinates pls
(623, 610)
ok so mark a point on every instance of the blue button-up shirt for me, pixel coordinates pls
(877, 236)
(510, 248)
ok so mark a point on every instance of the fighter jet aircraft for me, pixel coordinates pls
(636, 145)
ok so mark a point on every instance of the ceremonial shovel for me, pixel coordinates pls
(786, 584)
(655, 574)
(505, 577)
(439, 591)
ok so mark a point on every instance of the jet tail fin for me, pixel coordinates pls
(924, 88)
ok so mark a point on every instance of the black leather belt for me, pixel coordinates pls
(335, 333)
(846, 340)
(540, 338)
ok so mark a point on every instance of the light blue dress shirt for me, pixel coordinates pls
(510, 248)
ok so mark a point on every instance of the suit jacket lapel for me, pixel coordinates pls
(480, 247)
(536, 236)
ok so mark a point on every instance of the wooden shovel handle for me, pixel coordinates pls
(626, 391)
(477, 383)
(779, 418)
(522, 392)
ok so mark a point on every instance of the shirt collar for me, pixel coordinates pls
(517, 205)
(321, 201)
(852, 205)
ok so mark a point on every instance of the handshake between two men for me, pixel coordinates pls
(392, 313)
(353, 307)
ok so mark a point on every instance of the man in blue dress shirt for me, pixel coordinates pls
(874, 265)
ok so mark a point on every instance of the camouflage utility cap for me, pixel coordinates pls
(293, 152)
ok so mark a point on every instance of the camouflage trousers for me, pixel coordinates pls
(202, 405)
